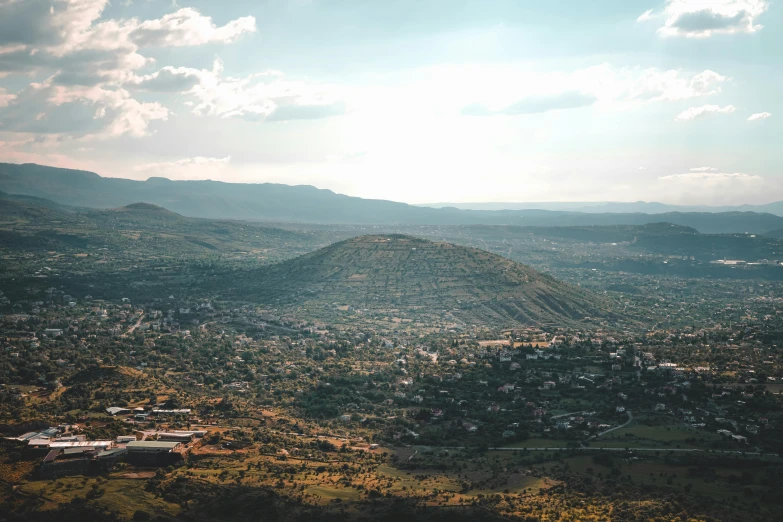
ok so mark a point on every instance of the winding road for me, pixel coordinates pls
(630, 419)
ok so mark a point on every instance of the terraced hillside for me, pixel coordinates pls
(388, 272)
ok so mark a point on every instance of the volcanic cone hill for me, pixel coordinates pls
(395, 272)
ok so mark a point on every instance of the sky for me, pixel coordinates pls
(676, 101)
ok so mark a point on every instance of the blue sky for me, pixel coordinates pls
(419, 101)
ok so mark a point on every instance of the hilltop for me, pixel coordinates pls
(395, 273)
(138, 231)
(147, 208)
(17, 206)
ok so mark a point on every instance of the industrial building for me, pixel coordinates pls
(152, 446)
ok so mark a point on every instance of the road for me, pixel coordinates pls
(567, 414)
(138, 323)
(630, 419)
(588, 448)
(673, 450)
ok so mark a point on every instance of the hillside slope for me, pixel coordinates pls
(396, 272)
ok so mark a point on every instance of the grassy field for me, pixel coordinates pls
(660, 474)
(329, 493)
(640, 435)
(538, 443)
(122, 496)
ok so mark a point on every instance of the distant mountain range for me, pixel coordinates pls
(645, 207)
(307, 204)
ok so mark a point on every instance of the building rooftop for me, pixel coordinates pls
(111, 452)
(152, 444)
(76, 444)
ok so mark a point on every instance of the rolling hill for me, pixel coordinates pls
(655, 238)
(399, 274)
(138, 231)
(307, 204)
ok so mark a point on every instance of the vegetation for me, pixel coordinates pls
(383, 376)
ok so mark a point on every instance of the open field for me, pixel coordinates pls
(119, 495)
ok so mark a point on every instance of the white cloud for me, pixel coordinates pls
(91, 62)
(705, 18)
(704, 110)
(647, 15)
(703, 169)
(262, 96)
(712, 177)
(79, 111)
(5, 97)
(21, 148)
(759, 116)
(198, 167)
(712, 187)
(188, 27)
(535, 104)
(169, 79)
(515, 89)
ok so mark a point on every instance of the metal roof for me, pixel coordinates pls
(152, 444)
(111, 452)
(51, 455)
(76, 451)
(81, 444)
(181, 435)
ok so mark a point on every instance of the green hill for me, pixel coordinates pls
(403, 274)
(147, 209)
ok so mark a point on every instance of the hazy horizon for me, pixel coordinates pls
(231, 288)
(657, 100)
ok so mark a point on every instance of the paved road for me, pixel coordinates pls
(567, 414)
(630, 419)
(675, 450)
(588, 448)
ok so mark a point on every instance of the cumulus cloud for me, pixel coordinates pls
(512, 92)
(63, 26)
(267, 96)
(705, 18)
(703, 169)
(752, 117)
(188, 27)
(6, 97)
(699, 112)
(92, 62)
(169, 79)
(87, 111)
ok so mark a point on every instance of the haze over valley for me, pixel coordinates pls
(419, 260)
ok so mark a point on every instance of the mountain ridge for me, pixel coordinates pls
(308, 204)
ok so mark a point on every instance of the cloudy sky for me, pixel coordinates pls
(413, 100)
